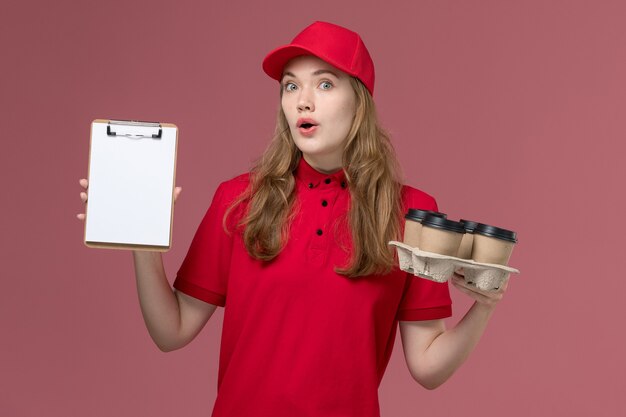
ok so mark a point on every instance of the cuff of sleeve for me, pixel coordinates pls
(432, 313)
(199, 292)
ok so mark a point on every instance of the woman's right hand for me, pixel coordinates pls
(83, 195)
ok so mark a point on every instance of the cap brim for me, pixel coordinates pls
(275, 61)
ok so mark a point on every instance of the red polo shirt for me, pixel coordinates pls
(299, 339)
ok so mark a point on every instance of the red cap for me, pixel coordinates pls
(340, 47)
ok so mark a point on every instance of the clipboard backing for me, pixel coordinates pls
(132, 175)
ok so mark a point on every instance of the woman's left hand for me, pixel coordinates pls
(487, 298)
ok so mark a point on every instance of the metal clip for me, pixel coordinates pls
(133, 129)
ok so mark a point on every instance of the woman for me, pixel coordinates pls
(297, 252)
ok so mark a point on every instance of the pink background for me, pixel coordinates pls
(509, 113)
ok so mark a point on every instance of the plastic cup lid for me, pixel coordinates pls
(497, 232)
(418, 215)
(469, 225)
(441, 223)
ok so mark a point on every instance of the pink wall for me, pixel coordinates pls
(511, 113)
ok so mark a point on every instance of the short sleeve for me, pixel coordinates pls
(204, 271)
(423, 299)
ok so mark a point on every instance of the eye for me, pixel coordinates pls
(288, 86)
(326, 85)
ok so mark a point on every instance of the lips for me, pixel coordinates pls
(306, 123)
(306, 126)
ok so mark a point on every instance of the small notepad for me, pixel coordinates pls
(132, 171)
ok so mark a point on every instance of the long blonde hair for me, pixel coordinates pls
(374, 181)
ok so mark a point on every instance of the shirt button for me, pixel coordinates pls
(324, 203)
(343, 184)
(310, 185)
(327, 180)
(319, 232)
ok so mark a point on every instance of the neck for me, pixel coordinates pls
(325, 167)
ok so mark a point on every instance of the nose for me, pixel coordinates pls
(305, 100)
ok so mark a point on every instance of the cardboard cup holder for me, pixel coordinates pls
(440, 268)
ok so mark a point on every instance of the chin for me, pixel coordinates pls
(309, 148)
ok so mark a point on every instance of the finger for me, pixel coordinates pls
(81, 216)
(481, 298)
(474, 288)
(460, 282)
(84, 183)
(83, 196)
(466, 288)
(177, 192)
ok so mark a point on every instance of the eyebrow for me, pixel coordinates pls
(318, 72)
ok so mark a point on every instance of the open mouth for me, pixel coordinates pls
(306, 126)
(305, 123)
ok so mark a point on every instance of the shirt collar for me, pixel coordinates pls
(311, 178)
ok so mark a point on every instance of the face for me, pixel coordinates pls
(314, 91)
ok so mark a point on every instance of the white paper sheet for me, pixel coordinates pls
(131, 183)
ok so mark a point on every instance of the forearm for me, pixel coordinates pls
(451, 348)
(158, 302)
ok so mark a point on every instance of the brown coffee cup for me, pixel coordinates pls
(441, 235)
(493, 245)
(413, 225)
(465, 249)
